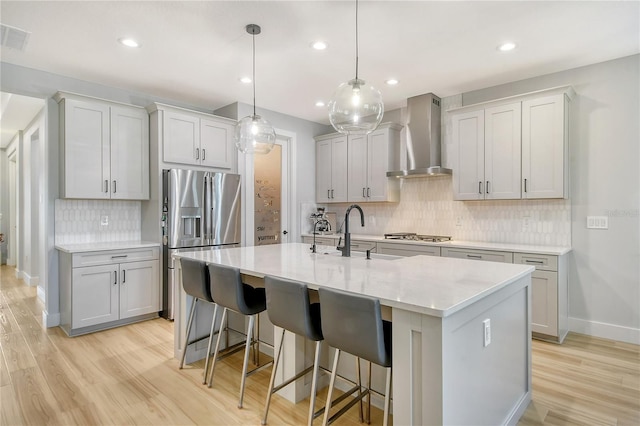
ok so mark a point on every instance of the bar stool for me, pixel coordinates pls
(289, 307)
(196, 283)
(353, 323)
(229, 292)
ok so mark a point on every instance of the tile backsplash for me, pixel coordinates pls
(427, 207)
(83, 221)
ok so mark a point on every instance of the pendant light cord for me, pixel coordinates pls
(356, 39)
(253, 38)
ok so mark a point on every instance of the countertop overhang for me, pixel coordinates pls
(435, 286)
(116, 245)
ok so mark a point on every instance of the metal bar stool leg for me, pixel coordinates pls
(387, 397)
(215, 352)
(213, 326)
(327, 408)
(272, 381)
(314, 384)
(369, 396)
(359, 379)
(247, 348)
(186, 339)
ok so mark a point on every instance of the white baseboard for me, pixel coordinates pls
(41, 294)
(29, 280)
(11, 262)
(18, 273)
(605, 331)
(51, 320)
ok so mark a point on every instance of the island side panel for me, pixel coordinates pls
(443, 373)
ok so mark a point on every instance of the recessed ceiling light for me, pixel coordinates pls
(319, 45)
(245, 80)
(320, 103)
(129, 42)
(505, 47)
(392, 82)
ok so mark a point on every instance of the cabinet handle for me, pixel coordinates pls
(115, 277)
(355, 245)
(106, 185)
(328, 193)
(114, 187)
(197, 153)
(204, 154)
(368, 192)
(363, 193)
(487, 186)
(120, 256)
(537, 262)
(479, 187)
(332, 193)
(124, 276)
(474, 256)
(525, 185)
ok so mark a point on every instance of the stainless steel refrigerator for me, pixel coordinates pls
(200, 211)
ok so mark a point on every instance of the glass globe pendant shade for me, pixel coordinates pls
(356, 108)
(254, 135)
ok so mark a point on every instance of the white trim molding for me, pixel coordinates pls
(605, 331)
(50, 320)
(41, 294)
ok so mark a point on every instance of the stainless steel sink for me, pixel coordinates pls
(362, 255)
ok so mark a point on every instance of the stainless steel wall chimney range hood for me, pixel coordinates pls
(423, 138)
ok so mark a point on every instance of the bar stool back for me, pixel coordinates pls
(196, 283)
(353, 323)
(228, 290)
(289, 307)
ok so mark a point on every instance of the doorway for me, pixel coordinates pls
(269, 194)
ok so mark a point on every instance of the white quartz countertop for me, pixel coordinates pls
(437, 286)
(478, 245)
(116, 245)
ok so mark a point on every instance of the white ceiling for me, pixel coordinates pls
(195, 52)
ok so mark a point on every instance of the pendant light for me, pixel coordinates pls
(254, 134)
(356, 107)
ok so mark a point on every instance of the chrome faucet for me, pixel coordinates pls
(315, 225)
(346, 249)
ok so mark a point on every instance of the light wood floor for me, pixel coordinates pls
(128, 376)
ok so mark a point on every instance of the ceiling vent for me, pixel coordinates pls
(14, 38)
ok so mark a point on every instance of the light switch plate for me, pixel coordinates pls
(597, 222)
(104, 220)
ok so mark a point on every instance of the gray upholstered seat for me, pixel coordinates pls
(353, 323)
(196, 283)
(289, 307)
(228, 290)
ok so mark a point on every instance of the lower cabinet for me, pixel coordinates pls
(106, 289)
(488, 255)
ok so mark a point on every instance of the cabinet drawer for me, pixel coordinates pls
(114, 256)
(542, 262)
(407, 249)
(488, 255)
(320, 241)
(359, 245)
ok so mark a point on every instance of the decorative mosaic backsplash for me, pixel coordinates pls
(83, 221)
(427, 207)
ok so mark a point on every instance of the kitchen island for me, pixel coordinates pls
(461, 329)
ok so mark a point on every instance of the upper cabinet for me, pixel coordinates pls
(512, 148)
(194, 138)
(370, 158)
(331, 169)
(355, 168)
(104, 149)
(545, 151)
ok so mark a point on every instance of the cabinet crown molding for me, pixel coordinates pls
(385, 125)
(157, 106)
(60, 95)
(568, 91)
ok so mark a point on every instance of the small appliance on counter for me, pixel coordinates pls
(323, 222)
(412, 236)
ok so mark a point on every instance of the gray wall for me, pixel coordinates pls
(604, 280)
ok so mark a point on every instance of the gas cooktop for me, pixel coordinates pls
(412, 236)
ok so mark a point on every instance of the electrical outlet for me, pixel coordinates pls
(104, 220)
(597, 222)
(459, 221)
(525, 222)
(486, 326)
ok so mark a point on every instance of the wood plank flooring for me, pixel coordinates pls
(128, 376)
